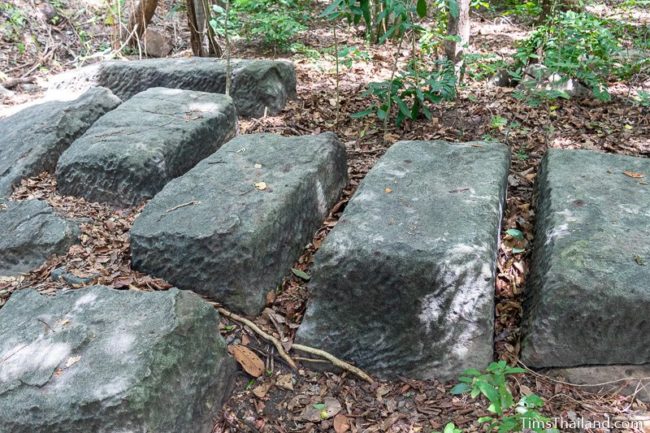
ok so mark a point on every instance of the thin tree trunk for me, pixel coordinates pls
(198, 16)
(196, 35)
(140, 19)
(458, 26)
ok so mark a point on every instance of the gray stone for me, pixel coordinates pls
(32, 139)
(232, 227)
(621, 379)
(404, 283)
(34, 232)
(156, 43)
(502, 78)
(588, 294)
(132, 152)
(107, 361)
(256, 84)
(541, 78)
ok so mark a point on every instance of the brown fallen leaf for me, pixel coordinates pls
(261, 390)
(285, 381)
(250, 362)
(633, 174)
(341, 423)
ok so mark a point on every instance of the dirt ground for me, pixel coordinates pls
(277, 402)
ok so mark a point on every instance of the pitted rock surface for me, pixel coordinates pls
(232, 227)
(258, 86)
(128, 155)
(32, 232)
(105, 361)
(32, 139)
(588, 294)
(404, 283)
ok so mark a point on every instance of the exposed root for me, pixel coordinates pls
(285, 356)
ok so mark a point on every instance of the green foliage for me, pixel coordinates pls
(643, 98)
(451, 428)
(508, 416)
(274, 22)
(410, 93)
(12, 22)
(389, 19)
(575, 45)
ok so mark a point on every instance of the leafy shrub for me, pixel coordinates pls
(507, 416)
(576, 45)
(274, 22)
(12, 22)
(411, 92)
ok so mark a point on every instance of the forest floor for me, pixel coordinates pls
(280, 401)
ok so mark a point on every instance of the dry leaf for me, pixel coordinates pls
(260, 185)
(261, 390)
(388, 190)
(633, 174)
(250, 362)
(341, 423)
(285, 381)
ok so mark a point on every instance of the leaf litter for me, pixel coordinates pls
(270, 397)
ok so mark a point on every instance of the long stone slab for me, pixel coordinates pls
(106, 361)
(404, 283)
(31, 233)
(588, 295)
(257, 85)
(128, 155)
(232, 227)
(32, 139)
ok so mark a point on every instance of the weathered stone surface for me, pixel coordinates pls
(106, 361)
(32, 139)
(132, 152)
(256, 84)
(32, 233)
(404, 283)
(602, 376)
(588, 294)
(156, 43)
(250, 209)
(539, 77)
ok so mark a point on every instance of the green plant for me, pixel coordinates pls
(450, 428)
(508, 416)
(574, 45)
(12, 22)
(274, 22)
(411, 92)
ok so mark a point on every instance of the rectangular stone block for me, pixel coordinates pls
(32, 139)
(588, 295)
(111, 361)
(404, 283)
(232, 227)
(257, 85)
(131, 153)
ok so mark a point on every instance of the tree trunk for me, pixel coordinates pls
(196, 35)
(198, 16)
(552, 7)
(140, 19)
(458, 26)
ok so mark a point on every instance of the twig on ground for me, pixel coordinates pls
(189, 203)
(334, 360)
(284, 355)
(13, 82)
(278, 345)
